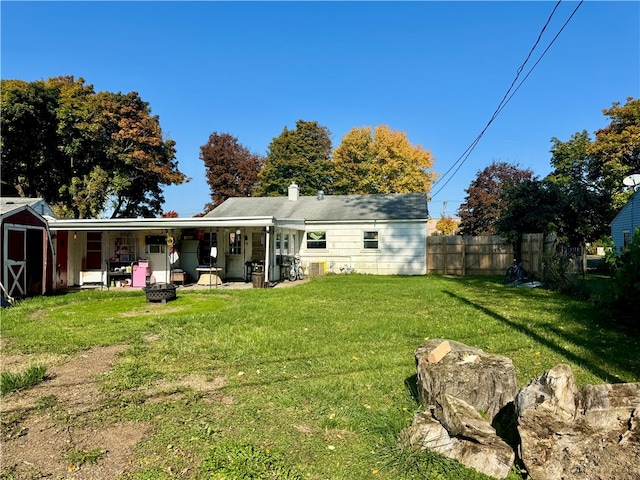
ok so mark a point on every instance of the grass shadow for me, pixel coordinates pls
(532, 333)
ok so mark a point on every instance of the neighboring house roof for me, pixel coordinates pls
(329, 208)
(13, 204)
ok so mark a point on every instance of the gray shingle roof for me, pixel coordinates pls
(398, 206)
(10, 204)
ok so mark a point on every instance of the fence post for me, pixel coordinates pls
(444, 249)
(464, 256)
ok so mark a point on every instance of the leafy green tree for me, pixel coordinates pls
(28, 138)
(581, 196)
(85, 153)
(303, 156)
(615, 153)
(585, 209)
(588, 199)
(602, 163)
(381, 161)
(571, 160)
(531, 206)
(231, 169)
(485, 202)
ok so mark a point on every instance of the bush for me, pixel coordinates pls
(555, 270)
(626, 280)
(561, 275)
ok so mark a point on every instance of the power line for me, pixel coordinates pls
(504, 98)
(508, 95)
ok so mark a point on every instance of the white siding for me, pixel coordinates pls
(401, 248)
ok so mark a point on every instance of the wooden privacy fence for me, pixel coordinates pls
(481, 255)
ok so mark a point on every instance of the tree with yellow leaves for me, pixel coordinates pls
(381, 160)
(447, 226)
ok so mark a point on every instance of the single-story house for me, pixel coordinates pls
(375, 234)
(625, 223)
(27, 260)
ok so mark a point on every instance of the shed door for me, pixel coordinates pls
(15, 274)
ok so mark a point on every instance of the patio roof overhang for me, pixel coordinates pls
(292, 223)
(123, 224)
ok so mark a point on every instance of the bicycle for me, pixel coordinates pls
(516, 274)
(295, 272)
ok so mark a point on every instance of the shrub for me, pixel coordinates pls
(626, 276)
(555, 270)
(560, 274)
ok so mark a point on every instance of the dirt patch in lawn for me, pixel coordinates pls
(51, 430)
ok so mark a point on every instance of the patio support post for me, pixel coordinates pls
(266, 255)
(104, 264)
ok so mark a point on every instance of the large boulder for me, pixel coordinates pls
(463, 389)
(483, 451)
(486, 381)
(571, 433)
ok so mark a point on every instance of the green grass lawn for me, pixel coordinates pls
(317, 375)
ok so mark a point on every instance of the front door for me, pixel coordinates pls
(234, 260)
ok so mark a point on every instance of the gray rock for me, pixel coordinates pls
(494, 459)
(486, 381)
(456, 389)
(609, 406)
(462, 420)
(568, 433)
(555, 389)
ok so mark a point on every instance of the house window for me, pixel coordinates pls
(626, 238)
(286, 243)
(235, 243)
(278, 241)
(94, 250)
(316, 239)
(370, 239)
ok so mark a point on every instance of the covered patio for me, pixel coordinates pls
(198, 251)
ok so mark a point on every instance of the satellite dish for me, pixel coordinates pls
(632, 180)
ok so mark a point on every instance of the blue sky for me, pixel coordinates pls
(434, 70)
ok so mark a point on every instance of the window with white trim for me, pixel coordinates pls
(317, 240)
(370, 239)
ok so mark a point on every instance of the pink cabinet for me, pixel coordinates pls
(140, 273)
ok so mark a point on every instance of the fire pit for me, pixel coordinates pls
(160, 292)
